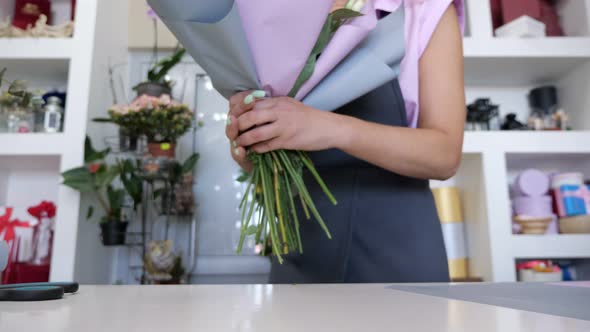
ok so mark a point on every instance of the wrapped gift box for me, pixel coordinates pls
(27, 12)
(513, 9)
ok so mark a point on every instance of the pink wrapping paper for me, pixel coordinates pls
(280, 57)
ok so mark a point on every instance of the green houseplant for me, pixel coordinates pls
(158, 83)
(96, 177)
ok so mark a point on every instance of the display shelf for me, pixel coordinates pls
(527, 141)
(36, 48)
(495, 61)
(32, 144)
(531, 48)
(551, 246)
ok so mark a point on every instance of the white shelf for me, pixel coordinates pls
(499, 61)
(548, 47)
(36, 48)
(551, 246)
(527, 142)
(32, 144)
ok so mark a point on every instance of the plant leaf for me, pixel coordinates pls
(132, 183)
(92, 155)
(161, 69)
(90, 212)
(116, 200)
(345, 14)
(17, 88)
(79, 179)
(308, 69)
(190, 163)
(243, 176)
(106, 175)
(251, 230)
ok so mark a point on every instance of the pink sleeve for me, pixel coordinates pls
(422, 18)
(432, 12)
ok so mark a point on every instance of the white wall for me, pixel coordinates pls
(94, 262)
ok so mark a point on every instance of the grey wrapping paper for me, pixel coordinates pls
(212, 33)
(375, 62)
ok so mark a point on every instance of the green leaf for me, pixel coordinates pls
(132, 182)
(92, 155)
(243, 176)
(79, 179)
(344, 14)
(90, 212)
(251, 230)
(116, 199)
(106, 175)
(18, 88)
(190, 163)
(308, 69)
(161, 69)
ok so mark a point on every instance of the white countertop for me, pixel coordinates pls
(266, 308)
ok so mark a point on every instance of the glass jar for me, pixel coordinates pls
(53, 115)
(20, 120)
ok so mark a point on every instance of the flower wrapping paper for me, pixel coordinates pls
(256, 44)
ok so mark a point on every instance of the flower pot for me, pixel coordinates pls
(166, 150)
(153, 89)
(113, 233)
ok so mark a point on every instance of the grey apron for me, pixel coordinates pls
(385, 228)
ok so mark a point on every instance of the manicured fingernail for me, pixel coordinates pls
(259, 93)
(228, 121)
(234, 144)
(249, 99)
(237, 152)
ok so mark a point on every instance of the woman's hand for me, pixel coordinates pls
(237, 106)
(264, 125)
(285, 123)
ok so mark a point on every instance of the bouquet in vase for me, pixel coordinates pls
(322, 52)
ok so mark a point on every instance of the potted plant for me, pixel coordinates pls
(162, 121)
(96, 177)
(158, 82)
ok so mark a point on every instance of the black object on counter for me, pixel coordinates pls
(511, 123)
(483, 115)
(42, 291)
(544, 99)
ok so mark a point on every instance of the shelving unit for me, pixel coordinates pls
(78, 63)
(505, 69)
(39, 49)
(37, 144)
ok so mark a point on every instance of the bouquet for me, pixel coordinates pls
(262, 44)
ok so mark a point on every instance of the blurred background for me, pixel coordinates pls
(518, 209)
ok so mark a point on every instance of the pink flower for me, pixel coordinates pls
(165, 100)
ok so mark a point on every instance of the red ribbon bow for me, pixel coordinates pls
(44, 209)
(7, 228)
